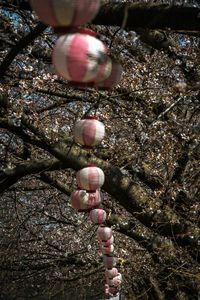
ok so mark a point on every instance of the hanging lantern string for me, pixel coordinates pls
(94, 106)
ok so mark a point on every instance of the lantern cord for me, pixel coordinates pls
(95, 106)
(70, 148)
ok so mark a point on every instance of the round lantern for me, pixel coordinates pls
(104, 233)
(107, 293)
(108, 242)
(114, 291)
(107, 250)
(98, 216)
(65, 12)
(117, 280)
(81, 58)
(82, 200)
(90, 178)
(89, 132)
(109, 261)
(111, 273)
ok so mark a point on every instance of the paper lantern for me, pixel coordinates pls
(89, 132)
(107, 293)
(109, 261)
(107, 250)
(114, 291)
(104, 233)
(108, 242)
(65, 12)
(111, 273)
(98, 216)
(90, 178)
(81, 58)
(82, 200)
(117, 280)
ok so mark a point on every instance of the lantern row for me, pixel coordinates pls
(87, 198)
(83, 60)
(78, 56)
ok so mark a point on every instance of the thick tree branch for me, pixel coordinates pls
(140, 15)
(23, 43)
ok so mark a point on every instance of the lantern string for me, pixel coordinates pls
(87, 196)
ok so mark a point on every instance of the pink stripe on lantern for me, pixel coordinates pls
(85, 11)
(108, 242)
(89, 132)
(99, 216)
(77, 57)
(93, 178)
(93, 199)
(76, 198)
(45, 11)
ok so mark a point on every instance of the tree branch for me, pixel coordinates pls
(24, 42)
(140, 15)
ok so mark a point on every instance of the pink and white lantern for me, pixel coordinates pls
(98, 216)
(117, 280)
(107, 250)
(104, 233)
(63, 13)
(107, 293)
(109, 261)
(111, 273)
(108, 242)
(81, 57)
(82, 200)
(89, 132)
(114, 291)
(90, 178)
